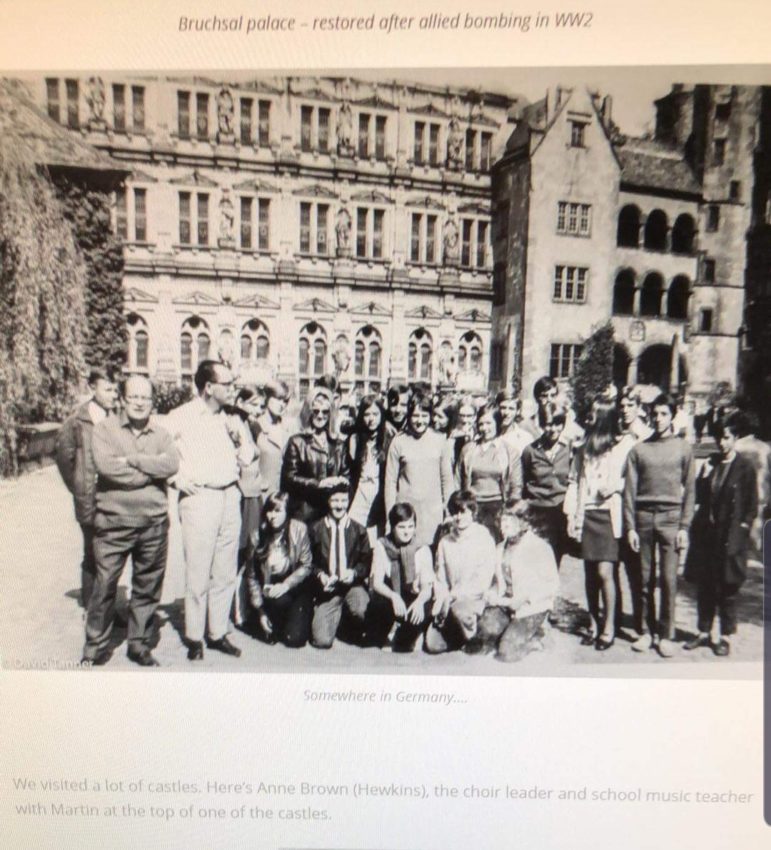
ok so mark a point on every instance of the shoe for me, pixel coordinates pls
(143, 657)
(722, 648)
(225, 646)
(99, 660)
(666, 648)
(588, 639)
(696, 643)
(601, 644)
(195, 651)
(643, 643)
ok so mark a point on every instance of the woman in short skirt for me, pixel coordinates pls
(594, 509)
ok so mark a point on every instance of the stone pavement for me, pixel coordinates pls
(41, 623)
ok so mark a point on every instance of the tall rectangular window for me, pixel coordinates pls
(245, 133)
(263, 223)
(719, 151)
(470, 145)
(735, 190)
(465, 253)
(314, 223)
(305, 228)
(709, 270)
(369, 232)
(713, 218)
(322, 225)
(183, 114)
(473, 243)
(306, 128)
(185, 218)
(577, 134)
(361, 232)
(415, 238)
(119, 107)
(377, 233)
(203, 219)
(323, 132)
(486, 152)
(570, 284)
(140, 215)
(202, 116)
(364, 122)
(423, 241)
(481, 260)
(705, 320)
(431, 225)
(73, 103)
(380, 137)
(246, 222)
(433, 144)
(264, 124)
(138, 109)
(52, 98)
(121, 214)
(418, 150)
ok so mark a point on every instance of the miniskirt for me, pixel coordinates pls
(597, 540)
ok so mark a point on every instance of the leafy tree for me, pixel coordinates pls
(593, 373)
(43, 324)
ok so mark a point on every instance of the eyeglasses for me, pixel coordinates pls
(223, 383)
(138, 398)
(320, 412)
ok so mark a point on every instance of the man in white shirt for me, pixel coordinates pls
(212, 447)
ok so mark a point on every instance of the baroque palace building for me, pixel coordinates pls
(662, 235)
(297, 226)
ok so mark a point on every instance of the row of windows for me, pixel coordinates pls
(652, 303)
(195, 345)
(368, 228)
(128, 104)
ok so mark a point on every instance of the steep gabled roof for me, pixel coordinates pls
(647, 164)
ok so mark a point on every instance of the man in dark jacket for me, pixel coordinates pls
(75, 460)
(342, 557)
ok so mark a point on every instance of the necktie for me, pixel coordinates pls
(339, 542)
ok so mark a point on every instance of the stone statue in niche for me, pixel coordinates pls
(455, 145)
(343, 233)
(225, 112)
(341, 357)
(448, 367)
(227, 237)
(451, 243)
(95, 98)
(345, 130)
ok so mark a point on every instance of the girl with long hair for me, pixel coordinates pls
(419, 470)
(278, 573)
(594, 510)
(367, 449)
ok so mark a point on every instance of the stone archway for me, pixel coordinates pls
(655, 367)
(622, 360)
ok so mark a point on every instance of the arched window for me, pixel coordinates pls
(683, 233)
(312, 355)
(255, 342)
(368, 349)
(420, 355)
(656, 227)
(470, 352)
(194, 344)
(677, 298)
(628, 232)
(138, 344)
(650, 296)
(623, 293)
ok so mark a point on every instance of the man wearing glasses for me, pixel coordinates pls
(212, 447)
(133, 457)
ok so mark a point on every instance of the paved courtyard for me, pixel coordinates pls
(41, 622)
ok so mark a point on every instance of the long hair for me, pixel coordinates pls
(267, 533)
(603, 429)
(362, 433)
(488, 409)
(447, 406)
(305, 412)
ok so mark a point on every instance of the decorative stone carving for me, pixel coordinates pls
(227, 238)
(448, 367)
(455, 145)
(451, 242)
(343, 233)
(341, 357)
(225, 113)
(345, 130)
(95, 98)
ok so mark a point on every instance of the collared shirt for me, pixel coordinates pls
(545, 471)
(96, 412)
(132, 471)
(338, 560)
(207, 454)
(465, 563)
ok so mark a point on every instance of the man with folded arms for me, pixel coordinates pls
(133, 457)
(213, 445)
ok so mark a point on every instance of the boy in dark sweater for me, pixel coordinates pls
(658, 509)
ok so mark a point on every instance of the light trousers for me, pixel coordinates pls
(211, 525)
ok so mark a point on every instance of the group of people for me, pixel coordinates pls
(417, 521)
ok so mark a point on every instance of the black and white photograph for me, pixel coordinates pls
(437, 372)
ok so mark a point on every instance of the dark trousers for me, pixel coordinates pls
(552, 525)
(631, 562)
(657, 529)
(346, 606)
(88, 566)
(290, 615)
(147, 546)
(456, 629)
(716, 597)
(381, 617)
(513, 637)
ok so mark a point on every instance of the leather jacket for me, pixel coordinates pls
(305, 464)
(299, 564)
